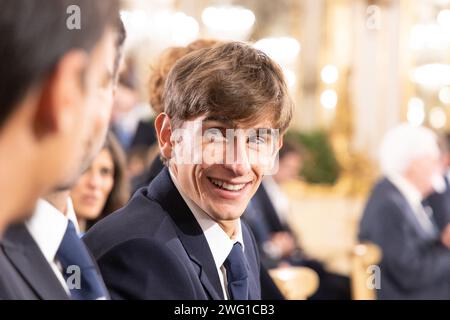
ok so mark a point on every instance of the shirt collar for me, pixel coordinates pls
(219, 242)
(47, 226)
(407, 189)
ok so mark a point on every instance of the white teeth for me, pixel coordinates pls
(232, 187)
(227, 186)
(217, 182)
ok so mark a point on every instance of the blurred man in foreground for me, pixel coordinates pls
(56, 90)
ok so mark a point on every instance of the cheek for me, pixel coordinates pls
(194, 180)
(426, 169)
(100, 104)
(258, 171)
(103, 107)
(108, 186)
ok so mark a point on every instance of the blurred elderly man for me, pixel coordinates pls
(415, 263)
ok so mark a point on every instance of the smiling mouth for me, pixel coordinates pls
(227, 186)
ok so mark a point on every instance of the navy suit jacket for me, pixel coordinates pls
(12, 286)
(153, 248)
(415, 265)
(27, 272)
(31, 277)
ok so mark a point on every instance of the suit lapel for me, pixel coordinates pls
(188, 230)
(27, 258)
(409, 214)
(250, 255)
(200, 253)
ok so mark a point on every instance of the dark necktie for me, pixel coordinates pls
(237, 275)
(73, 256)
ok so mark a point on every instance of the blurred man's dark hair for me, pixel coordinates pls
(35, 36)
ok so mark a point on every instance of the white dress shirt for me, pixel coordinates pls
(219, 242)
(414, 198)
(47, 226)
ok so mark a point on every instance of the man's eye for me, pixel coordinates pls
(214, 135)
(257, 139)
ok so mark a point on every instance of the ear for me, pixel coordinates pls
(164, 132)
(280, 142)
(62, 95)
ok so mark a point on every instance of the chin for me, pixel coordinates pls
(226, 213)
(67, 184)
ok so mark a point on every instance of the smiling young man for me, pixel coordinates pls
(226, 109)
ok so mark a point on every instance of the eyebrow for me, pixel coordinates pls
(266, 131)
(228, 122)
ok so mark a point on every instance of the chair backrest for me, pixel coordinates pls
(295, 283)
(364, 256)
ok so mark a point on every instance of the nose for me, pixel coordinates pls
(239, 162)
(94, 180)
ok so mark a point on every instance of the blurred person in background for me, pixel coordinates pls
(103, 187)
(59, 101)
(126, 108)
(415, 263)
(138, 160)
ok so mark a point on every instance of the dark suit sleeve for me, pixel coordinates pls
(145, 269)
(412, 263)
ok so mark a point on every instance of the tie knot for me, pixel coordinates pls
(72, 250)
(73, 255)
(71, 228)
(235, 263)
(237, 275)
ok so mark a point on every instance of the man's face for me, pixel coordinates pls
(220, 168)
(95, 111)
(424, 170)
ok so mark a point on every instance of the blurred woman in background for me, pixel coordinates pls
(103, 188)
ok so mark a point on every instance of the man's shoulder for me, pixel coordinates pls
(386, 204)
(142, 218)
(385, 193)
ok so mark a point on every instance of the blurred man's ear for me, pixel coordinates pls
(280, 141)
(164, 131)
(62, 95)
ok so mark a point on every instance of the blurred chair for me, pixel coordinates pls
(296, 283)
(363, 256)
